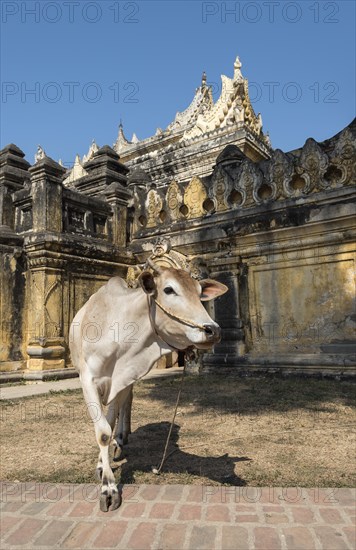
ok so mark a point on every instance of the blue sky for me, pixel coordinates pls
(90, 63)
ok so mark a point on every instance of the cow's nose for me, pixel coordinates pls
(213, 332)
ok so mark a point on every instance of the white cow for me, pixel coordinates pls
(120, 333)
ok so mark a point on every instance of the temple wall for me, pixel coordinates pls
(280, 233)
(304, 306)
(296, 299)
(62, 246)
(12, 304)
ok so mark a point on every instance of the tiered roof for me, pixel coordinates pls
(231, 119)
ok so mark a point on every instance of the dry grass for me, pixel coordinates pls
(255, 431)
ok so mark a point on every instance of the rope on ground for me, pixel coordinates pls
(157, 471)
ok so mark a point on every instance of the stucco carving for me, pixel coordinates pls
(280, 171)
(250, 183)
(174, 200)
(220, 189)
(312, 166)
(194, 196)
(233, 106)
(251, 120)
(40, 154)
(153, 208)
(344, 157)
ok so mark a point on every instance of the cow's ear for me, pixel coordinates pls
(211, 289)
(147, 282)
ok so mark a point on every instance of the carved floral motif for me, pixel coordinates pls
(174, 200)
(344, 157)
(153, 208)
(220, 190)
(280, 173)
(250, 182)
(194, 196)
(312, 165)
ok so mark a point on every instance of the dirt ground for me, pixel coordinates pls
(229, 430)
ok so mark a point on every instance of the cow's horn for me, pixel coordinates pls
(153, 266)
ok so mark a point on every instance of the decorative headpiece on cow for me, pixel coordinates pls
(162, 255)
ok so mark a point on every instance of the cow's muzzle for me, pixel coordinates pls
(213, 332)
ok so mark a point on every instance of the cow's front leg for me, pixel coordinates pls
(111, 418)
(110, 498)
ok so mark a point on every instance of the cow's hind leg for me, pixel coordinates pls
(110, 498)
(127, 417)
(99, 468)
(123, 428)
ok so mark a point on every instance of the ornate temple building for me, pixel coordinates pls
(209, 192)
(192, 142)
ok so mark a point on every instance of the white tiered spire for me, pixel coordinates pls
(121, 142)
(76, 173)
(92, 150)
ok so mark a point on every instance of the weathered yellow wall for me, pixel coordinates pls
(301, 306)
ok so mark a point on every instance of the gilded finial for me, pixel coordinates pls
(237, 69)
(237, 64)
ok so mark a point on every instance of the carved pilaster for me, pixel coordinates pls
(118, 197)
(47, 195)
(45, 347)
(227, 308)
(13, 174)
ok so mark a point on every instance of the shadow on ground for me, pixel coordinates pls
(252, 395)
(145, 450)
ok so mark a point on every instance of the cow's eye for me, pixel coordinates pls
(168, 290)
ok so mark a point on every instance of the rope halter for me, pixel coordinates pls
(189, 322)
(178, 317)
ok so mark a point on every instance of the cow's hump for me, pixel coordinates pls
(116, 286)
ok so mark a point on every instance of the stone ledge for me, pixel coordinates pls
(232, 366)
(60, 374)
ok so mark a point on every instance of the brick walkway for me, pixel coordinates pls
(177, 517)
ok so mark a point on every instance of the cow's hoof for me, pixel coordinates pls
(115, 501)
(105, 501)
(110, 502)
